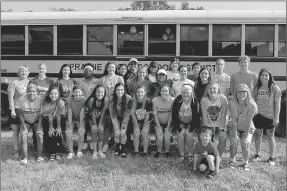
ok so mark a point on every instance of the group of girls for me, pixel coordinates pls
(133, 100)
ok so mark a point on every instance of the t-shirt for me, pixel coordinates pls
(109, 83)
(31, 109)
(250, 79)
(66, 87)
(172, 76)
(76, 107)
(223, 80)
(210, 148)
(88, 86)
(140, 111)
(214, 111)
(43, 86)
(199, 90)
(19, 88)
(162, 109)
(176, 86)
(185, 113)
(266, 100)
(192, 77)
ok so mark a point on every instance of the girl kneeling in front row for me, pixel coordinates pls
(96, 106)
(120, 111)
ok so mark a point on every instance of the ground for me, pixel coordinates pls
(140, 173)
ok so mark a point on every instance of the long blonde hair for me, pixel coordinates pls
(250, 103)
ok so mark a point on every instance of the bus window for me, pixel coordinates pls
(130, 40)
(194, 40)
(41, 40)
(70, 39)
(226, 40)
(161, 39)
(13, 40)
(259, 40)
(282, 41)
(100, 40)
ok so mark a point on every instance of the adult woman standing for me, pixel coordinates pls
(16, 89)
(242, 109)
(214, 109)
(195, 69)
(152, 70)
(173, 73)
(268, 98)
(176, 86)
(185, 116)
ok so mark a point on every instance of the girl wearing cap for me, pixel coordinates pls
(29, 111)
(173, 73)
(185, 118)
(50, 120)
(96, 106)
(42, 82)
(176, 86)
(268, 98)
(132, 69)
(16, 89)
(161, 79)
(152, 69)
(242, 109)
(141, 116)
(120, 111)
(140, 80)
(214, 109)
(76, 114)
(195, 70)
(162, 117)
(203, 79)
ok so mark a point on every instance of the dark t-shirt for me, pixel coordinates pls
(66, 87)
(210, 149)
(76, 107)
(156, 87)
(199, 90)
(42, 85)
(140, 111)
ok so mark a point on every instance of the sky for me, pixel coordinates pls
(19, 6)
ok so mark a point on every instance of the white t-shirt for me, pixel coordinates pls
(223, 80)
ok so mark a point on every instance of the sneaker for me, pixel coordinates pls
(167, 154)
(52, 157)
(102, 155)
(79, 154)
(40, 159)
(85, 146)
(116, 153)
(58, 156)
(95, 156)
(135, 154)
(211, 174)
(271, 161)
(144, 154)
(246, 167)
(123, 155)
(256, 158)
(70, 156)
(24, 161)
(181, 158)
(156, 155)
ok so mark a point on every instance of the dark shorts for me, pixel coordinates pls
(14, 121)
(262, 122)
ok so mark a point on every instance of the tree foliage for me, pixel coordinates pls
(54, 9)
(185, 6)
(8, 10)
(148, 5)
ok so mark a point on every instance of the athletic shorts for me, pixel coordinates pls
(14, 121)
(262, 122)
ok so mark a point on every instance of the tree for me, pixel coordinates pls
(148, 5)
(54, 9)
(185, 6)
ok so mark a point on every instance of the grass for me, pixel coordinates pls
(131, 173)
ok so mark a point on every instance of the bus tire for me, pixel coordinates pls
(5, 124)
